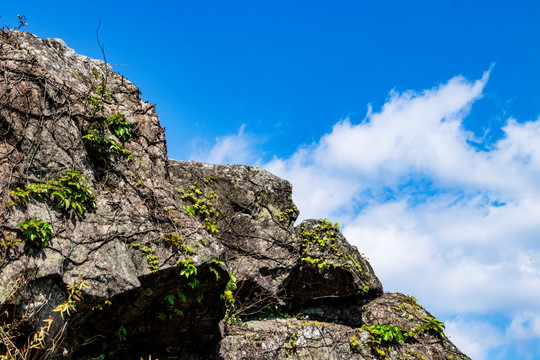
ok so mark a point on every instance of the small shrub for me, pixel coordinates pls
(117, 123)
(69, 193)
(432, 325)
(202, 206)
(37, 231)
(105, 147)
(188, 268)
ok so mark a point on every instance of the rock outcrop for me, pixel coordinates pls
(110, 250)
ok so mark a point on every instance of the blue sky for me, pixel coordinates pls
(414, 124)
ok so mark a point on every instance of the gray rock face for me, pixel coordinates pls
(330, 267)
(110, 250)
(254, 217)
(289, 339)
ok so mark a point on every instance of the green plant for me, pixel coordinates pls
(69, 193)
(95, 103)
(187, 267)
(176, 240)
(229, 288)
(228, 295)
(74, 295)
(36, 231)
(101, 89)
(100, 92)
(104, 147)
(151, 258)
(181, 296)
(286, 216)
(105, 150)
(324, 235)
(8, 241)
(276, 311)
(190, 210)
(322, 239)
(121, 333)
(386, 332)
(216, 273)
(193, 283)
(320, 263)
(354, 344)
(202, 206)
(292, 343)
(117, 123)
(384, 335)
(172, 309)
(432, 325)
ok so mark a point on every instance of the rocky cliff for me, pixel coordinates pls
(110, 250)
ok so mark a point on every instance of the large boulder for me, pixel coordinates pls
(116, 224)
(254, 216)
(110, 250)
(329, 266)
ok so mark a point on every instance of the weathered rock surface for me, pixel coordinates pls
(111, 250)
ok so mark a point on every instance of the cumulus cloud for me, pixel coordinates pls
(452, 223)
(455, 224)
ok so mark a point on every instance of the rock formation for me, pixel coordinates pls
(110, 250)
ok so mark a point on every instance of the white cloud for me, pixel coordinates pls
(230, 149)
(465, 333)
(525, 325)
(455, 226)
(481, 339)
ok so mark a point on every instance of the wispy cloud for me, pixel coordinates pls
(230, 149)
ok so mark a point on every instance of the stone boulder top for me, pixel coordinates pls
(108, 249)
